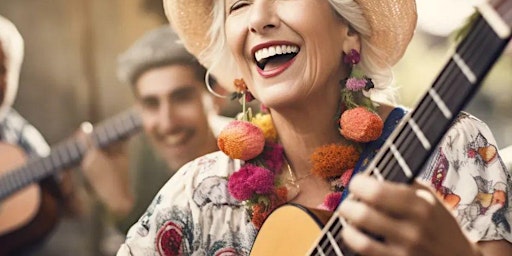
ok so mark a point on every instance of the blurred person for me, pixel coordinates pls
(179, 117)
(31, 214)
(319, 67)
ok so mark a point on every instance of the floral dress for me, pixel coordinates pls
(194, 214)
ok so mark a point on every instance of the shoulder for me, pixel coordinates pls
(201, 175)
(469, 129)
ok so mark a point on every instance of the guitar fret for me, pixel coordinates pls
(494, 20)
(55, 160)
(403, 155)
(464, 68)
(440, 104)
(73, 151)
(405, 168)
(64, 157)
(68, 153)
(419, 134)
(377, 174)
(101, 138)
(469, 50)
(334, 244)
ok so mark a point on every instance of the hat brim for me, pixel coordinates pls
(392, 24)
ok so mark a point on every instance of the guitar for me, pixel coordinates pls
(28, 211)
(407, 149)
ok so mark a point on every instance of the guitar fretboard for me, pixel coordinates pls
(69, 153)
(406, 151)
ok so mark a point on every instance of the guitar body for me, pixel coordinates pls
(27, 215)
(289, 230)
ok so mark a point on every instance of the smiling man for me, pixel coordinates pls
(179, 116)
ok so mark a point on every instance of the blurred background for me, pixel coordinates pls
(69, 70)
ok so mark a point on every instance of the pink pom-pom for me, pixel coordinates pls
(249, 180)
(332, 200)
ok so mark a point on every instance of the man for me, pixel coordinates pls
(52, 197)
(178, 115)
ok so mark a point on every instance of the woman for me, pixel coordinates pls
(310, 62)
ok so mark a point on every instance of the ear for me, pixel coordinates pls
(352, 40)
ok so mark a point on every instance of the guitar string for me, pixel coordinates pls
(336, 224)
(449, 80)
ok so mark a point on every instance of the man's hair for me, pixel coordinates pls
(157, 48)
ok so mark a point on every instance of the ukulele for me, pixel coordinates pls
(407, 149)
(28, 211)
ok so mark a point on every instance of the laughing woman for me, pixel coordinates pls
(322, 70)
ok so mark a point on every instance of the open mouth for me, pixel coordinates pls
(272, 57)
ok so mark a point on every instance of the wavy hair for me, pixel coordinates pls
(217, 53)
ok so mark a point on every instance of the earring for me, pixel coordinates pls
(358, 120)
(352, 57)
(207, 82)
(241, 139)
(356, 80)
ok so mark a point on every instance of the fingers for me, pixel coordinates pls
(85, 135)
(366, 218)
(400, 214)
(362, 243)
(396, 199)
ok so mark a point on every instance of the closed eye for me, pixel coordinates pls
(238, 5)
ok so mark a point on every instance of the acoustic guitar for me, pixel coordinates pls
(409, 146)
(28, 211)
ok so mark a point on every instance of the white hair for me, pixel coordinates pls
(218, 53)
(12, 46)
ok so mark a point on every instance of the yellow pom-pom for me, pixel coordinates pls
(264, 122)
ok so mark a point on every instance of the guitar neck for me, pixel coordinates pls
(409, 147)
(69, 153)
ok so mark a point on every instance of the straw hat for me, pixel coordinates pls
(392, 23)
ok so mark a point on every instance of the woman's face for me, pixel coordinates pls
(288, 50)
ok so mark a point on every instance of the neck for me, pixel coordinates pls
(306, 126)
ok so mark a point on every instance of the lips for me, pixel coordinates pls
(273, 58)
(175, 140)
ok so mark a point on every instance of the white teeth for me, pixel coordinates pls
(174, 139)
(274, 50)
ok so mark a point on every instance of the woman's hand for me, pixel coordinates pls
(409, 220)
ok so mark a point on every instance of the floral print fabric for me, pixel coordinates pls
(194, 214)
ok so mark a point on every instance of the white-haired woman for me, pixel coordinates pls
(315, 65)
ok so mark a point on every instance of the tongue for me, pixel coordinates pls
(277, 61)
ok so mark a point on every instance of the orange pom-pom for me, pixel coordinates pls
(361, 125)
(241, 140)
(333, 159)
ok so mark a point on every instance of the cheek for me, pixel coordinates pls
(235, 34)
(191, 113)
(149, 121)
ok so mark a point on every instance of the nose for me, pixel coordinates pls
(263, 17)
(167, 118)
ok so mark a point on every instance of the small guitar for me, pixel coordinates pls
(408, 148)
(28, 212)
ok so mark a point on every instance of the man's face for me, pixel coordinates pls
(3, 74)
(173, 115)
